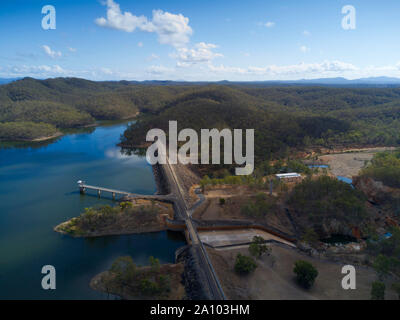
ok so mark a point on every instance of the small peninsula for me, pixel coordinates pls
(137, 216)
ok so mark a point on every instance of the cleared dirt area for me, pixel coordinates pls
(274, 278)
(236, 237)
(349, 164)
(211, 209)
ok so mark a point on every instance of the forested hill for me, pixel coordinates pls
(284, 117)
(55, 104)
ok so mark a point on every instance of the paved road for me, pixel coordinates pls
(184, 212)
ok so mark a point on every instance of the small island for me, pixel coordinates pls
(131, 282)
(137, 216)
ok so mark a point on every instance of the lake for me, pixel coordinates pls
(38, 190)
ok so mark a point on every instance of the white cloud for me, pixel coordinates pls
(269, 24)
(306, 33)
(121, 21)
(172, 29)
(72, 49)
(152, 57)
(301, 69)
(39, 71)
(210, 72)
(159, 70)
(140, 44)
(304, 49)
(51, 53)
(201, 53)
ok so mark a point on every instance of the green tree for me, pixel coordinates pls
(382, 266)
(125, 205)
(310, 236)
(396, 288)
(258, 247)
(378, 290)
(149, 287)
(154, 264)
(305, 273)
(221, 201)
(124, 269)
(244, 264)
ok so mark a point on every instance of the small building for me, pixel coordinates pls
(289, 177)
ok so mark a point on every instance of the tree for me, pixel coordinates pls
(222, 201)
(382, 266)
(378, 290)
(257, 248)
(125, 205)
(305, 273)
(124, 269)
(155, 264)
(310, 236)
(244, 264)
(149, 287)
(396, 288)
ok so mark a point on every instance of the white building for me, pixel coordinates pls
(292, 176)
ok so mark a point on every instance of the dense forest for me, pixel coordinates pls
(70, 103)
(328, 198)
(283, 117)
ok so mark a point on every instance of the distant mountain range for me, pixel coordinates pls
(362, 82)
(8, 80)
(339, 81)
(372, 80)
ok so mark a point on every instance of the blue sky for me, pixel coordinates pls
(200, 40)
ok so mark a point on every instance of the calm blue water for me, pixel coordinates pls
(38, 190)
(346, 180)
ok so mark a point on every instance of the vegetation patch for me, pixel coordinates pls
(130, 281)
(305, 273)
(145, 216)
(324, 199)
(384, 167)
(244, 265)
(24, 131)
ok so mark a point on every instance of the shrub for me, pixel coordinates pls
(396, 288)
(244, 264)
(305, 273)
(149, 287)
(378, 290)
(257, 248)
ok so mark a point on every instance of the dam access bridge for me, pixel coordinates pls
(83, 187)
(182, 210)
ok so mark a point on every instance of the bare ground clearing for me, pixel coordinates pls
(274, 278)
(349, 163)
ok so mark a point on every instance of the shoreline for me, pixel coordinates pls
(106, 234)
(39, 139)
(58, 134)
(143, 216)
